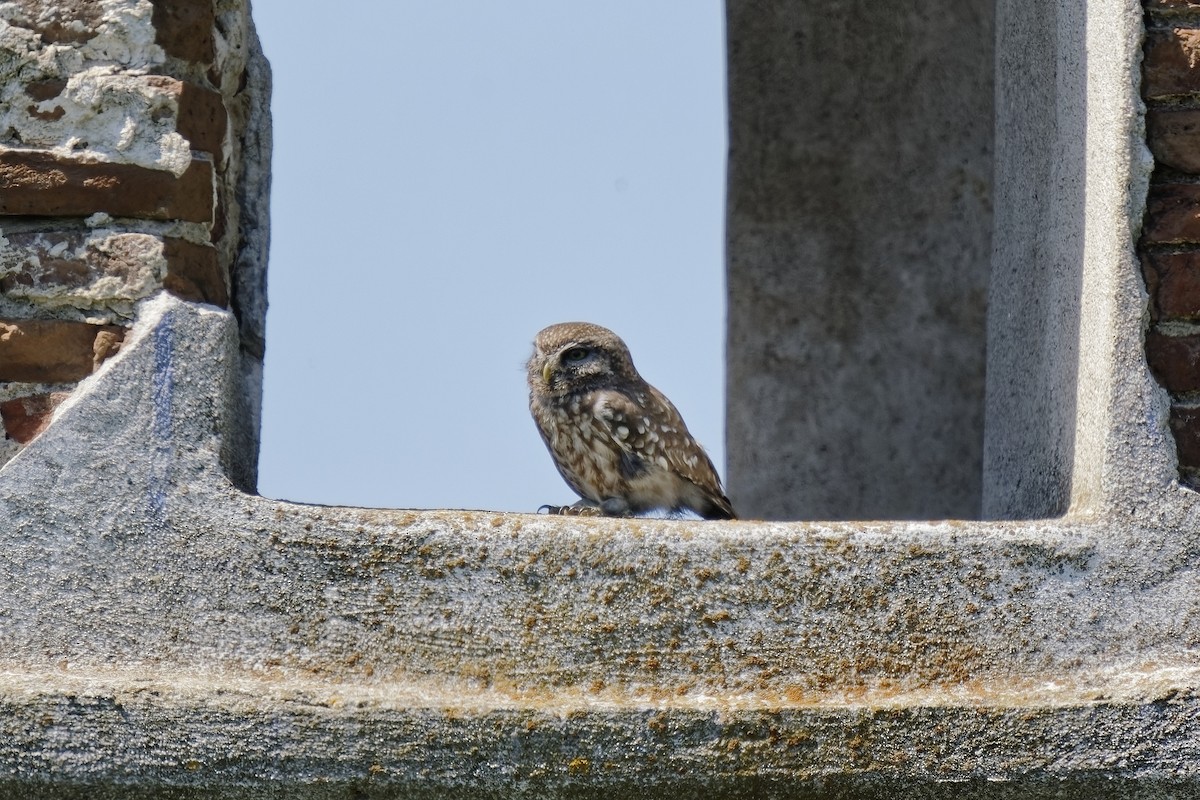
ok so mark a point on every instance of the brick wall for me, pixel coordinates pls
(122, 132)
(1170, 244)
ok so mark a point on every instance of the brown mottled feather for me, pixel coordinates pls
(617, 441)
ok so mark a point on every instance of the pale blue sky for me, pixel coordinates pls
(452, 176)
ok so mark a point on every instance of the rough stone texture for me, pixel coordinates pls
(114, 117)
(1040, 168)
(105, 106)
(858, 238)
(81, 269)
(250, 111)
(58, 21)
(40, 183)
(165, 632)
(1065, 367)
(1173, 281)
(201, 115)
(106, 269)
(50, 351)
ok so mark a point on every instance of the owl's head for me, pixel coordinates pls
(571, 356)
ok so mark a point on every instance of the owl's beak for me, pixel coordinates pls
(547, 368)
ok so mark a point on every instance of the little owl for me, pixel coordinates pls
(616, 440)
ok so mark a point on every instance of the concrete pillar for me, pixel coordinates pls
(859, 236)
(1069, 401)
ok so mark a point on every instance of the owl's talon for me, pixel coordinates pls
(580, 509)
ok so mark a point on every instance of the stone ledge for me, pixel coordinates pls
(190, 734)
(165, 632)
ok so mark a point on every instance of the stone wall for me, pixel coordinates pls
(133, 142)
(859, 238)
(166, 633)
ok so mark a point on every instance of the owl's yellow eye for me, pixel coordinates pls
(576, 354)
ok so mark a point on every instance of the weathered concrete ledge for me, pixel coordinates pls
(166, 634)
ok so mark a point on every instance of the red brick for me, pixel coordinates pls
(1174, 138)
(40, 183)
(184, 29)
(1172, 214)
(194, 272)
(1174, 360)
(203, 120)
(54, 351)
(26, 417)
(202, 117)
(1185, 424)
(1172, 62)
(1173, 281)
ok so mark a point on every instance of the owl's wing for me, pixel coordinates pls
(688, 459)
(647, 428)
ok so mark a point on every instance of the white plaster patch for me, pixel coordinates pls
(125, 36)
(107, 109)
(121, 118)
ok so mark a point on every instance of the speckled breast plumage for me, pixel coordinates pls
(614, 438)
